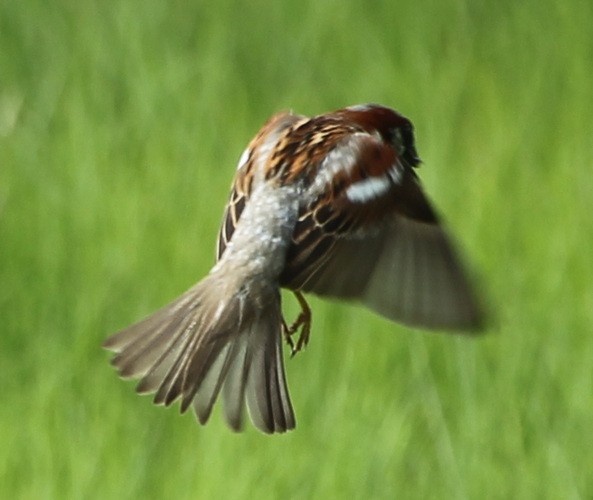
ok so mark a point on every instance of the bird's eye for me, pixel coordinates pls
(407, 136)
(410, 154)
(396, 139)
(402, 139)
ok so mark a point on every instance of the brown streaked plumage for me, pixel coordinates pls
(329, 205)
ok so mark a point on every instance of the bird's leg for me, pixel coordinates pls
(287, 332)
(303, 322)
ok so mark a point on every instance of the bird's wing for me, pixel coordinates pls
(373, 236)
(256, 159)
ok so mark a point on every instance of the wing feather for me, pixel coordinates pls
(385, 246)
(408, 272)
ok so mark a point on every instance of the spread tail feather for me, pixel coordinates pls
(216, 336)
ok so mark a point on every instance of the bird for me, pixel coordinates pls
(329, 205)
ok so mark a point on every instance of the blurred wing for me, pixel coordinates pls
(408, 271)
(379, 241)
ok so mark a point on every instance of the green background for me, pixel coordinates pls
(121, 123)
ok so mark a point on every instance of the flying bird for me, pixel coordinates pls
(329, 205)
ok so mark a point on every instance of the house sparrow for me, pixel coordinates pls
(329, 205)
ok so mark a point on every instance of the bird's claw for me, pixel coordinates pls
(302, 323)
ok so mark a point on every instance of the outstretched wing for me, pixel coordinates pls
(371, 235)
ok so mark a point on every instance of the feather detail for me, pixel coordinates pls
(407, 271)
(215, 337)
(224, 334)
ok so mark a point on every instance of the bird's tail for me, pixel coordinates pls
(219, 335)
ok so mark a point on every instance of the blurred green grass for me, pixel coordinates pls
(120, 126)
